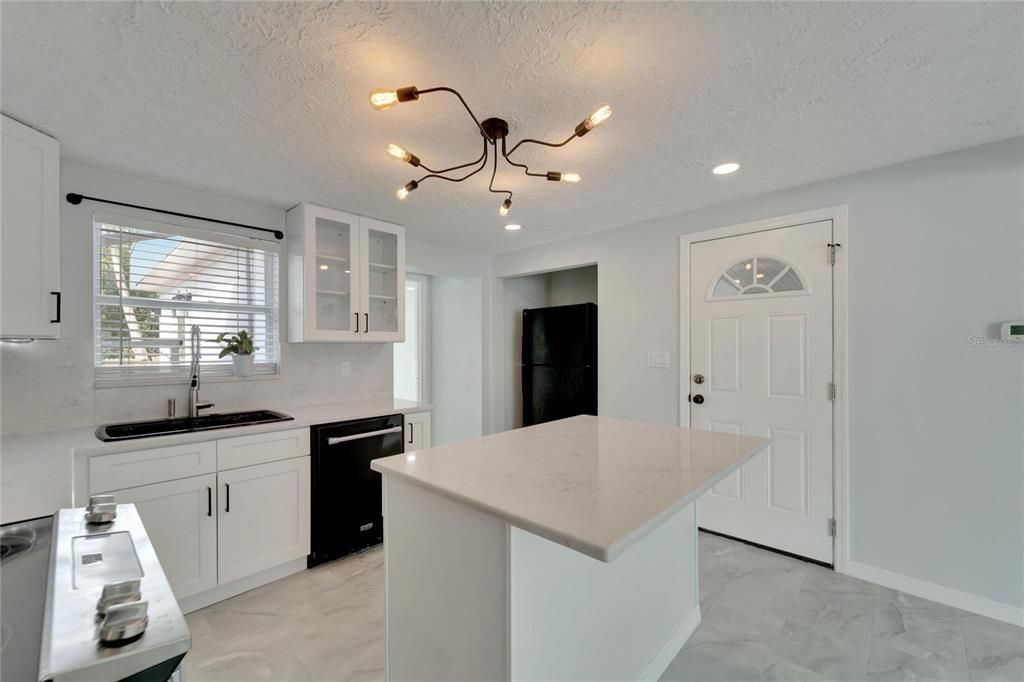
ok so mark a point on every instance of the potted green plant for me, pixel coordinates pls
(240, 347)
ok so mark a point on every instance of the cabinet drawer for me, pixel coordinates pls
(142, 467)
(263, 447)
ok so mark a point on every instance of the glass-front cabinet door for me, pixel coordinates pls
(323, 248)
(383, 285)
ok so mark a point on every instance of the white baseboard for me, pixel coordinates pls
(937, 593)
(232, 589)
(667, 654)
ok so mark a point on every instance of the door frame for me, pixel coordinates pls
(839, 215)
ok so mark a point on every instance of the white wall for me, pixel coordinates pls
(456, 359)
(572, 286)
(937, 424)
(48, 385)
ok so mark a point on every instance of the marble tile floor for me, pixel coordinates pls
(765, 617)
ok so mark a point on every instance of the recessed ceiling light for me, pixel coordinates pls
(324, 267)
(512, 227)
(725, 168)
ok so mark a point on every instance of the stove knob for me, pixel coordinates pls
(124, 623)
(101, 513)
(119, 593)
(102, 499)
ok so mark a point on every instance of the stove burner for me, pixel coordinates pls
(13, 545)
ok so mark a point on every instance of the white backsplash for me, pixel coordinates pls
(48, 385)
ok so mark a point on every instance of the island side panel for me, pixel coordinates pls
(446, 575)
(577, 618)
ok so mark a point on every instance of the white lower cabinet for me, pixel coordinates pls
(263, 517)
(180, 520)
(417, 431)
(216, 511)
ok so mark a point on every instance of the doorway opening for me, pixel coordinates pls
(569, 287)
(441, 360)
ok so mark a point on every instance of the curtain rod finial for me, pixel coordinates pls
(73, 198)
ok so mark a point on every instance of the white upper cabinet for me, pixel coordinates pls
(29, 234)
(345, 277)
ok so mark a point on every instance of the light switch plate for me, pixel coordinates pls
(346, 368)
(658, 358)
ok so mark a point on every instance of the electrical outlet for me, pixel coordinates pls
(658, 358)
(346, 368)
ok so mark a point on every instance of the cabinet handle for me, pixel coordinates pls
(366, 320)
(227, 497)
(357, 322)
(57, 294)
(411, 438)
(209, 501)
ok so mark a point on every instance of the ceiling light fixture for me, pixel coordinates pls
(493, 130)
(512, 227)
(725, 168)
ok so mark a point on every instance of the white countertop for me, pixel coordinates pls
(36, 468)
(593, 484)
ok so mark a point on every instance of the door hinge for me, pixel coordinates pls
(831, 391)
(832, 527)
(832, 246)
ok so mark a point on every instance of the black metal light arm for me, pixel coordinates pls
(526, 169)
(461, 99)
(464, 165)
(546, 144)
(482, 161)
(490, 185)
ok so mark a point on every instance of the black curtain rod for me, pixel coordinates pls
(77, 199)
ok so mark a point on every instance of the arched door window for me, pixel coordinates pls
(757, 275)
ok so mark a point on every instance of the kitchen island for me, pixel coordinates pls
(561, 551)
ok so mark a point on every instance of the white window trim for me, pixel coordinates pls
(111, 377)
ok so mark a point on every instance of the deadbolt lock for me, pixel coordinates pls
(698, 379)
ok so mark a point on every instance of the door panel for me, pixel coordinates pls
(181, 522)
(761, 334)
(30, 235)
(263, 517)
(383, 280)
(333, 284)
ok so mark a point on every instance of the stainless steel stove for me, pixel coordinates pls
(89, 601)
(24, 556)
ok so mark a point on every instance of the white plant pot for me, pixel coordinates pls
(243, 365)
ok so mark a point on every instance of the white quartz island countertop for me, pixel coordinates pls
(594, 484)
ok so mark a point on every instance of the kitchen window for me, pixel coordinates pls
(154, 281)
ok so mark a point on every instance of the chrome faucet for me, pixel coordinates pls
(193, 392)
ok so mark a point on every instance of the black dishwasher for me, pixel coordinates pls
(346, 493)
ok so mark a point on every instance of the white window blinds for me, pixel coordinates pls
(154, 281)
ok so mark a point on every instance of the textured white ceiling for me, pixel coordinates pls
(268, 101)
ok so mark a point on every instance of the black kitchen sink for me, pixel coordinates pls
(206, 422)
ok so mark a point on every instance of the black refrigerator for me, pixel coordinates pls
(559, 362)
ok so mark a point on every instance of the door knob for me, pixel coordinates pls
(699, 399)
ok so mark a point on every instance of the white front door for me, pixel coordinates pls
(761, 364)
